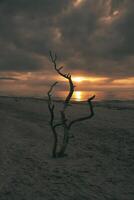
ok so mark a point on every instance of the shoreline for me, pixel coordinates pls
(72, 101)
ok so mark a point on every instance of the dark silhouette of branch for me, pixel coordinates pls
(87, 117)
(66, 76)
(51, 109)
(64, 121)
(50, 104)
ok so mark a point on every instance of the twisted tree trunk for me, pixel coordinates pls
(64, 121)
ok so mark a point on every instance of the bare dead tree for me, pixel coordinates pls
(64, 122)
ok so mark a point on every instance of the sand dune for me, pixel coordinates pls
(99, 165)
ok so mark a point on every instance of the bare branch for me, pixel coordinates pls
(51, 88)
(84, 118)
(51, 109)
(50, 104)
(61, 153)
(67, 76)
(66, 126)
(61, 123)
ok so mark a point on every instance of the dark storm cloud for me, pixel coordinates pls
(81, 35)
(101, 42)
(16, 59)
(26, 27)
(125, 28)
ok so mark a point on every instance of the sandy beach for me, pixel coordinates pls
(99, 165)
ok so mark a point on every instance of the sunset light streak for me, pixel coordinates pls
(128, 81)
(79, 79)
(78, 95)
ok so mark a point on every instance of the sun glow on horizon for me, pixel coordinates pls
(78, 95)
(127, 81)
(79, 79)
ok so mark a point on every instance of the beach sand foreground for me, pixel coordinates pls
(100, 161)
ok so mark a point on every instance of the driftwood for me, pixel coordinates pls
(64, 122)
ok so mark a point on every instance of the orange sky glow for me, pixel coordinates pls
(32, 83)
(92, 39)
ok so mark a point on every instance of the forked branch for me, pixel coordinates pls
(64, 121)
(86, 117)
(50, 103)
(51, 110)
(66, 76)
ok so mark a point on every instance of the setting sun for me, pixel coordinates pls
(78, 79)
(78, 95)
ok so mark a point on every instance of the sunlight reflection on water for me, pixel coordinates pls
(100, 95)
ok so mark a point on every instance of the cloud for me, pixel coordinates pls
(101, 37)
(91, 38)
(8, 78)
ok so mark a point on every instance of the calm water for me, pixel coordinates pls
(126, 94)
(100, 95)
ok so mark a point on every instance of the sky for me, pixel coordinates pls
(93, 40)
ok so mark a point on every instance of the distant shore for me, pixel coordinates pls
(57, 99)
